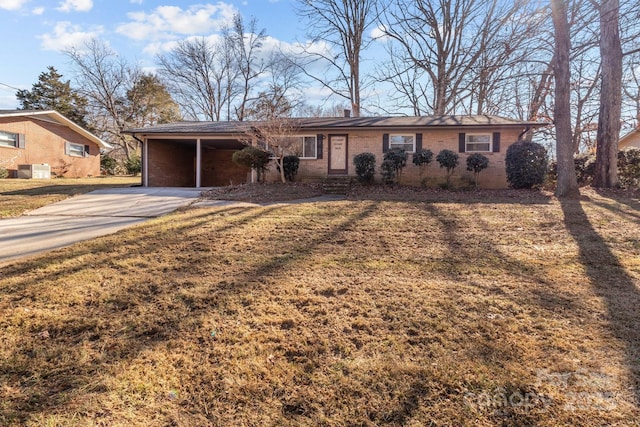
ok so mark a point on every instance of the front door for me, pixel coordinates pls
(338, 154)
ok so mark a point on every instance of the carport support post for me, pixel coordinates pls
(198, 163)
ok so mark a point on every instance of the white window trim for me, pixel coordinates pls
(466, 143)
(72, 144)
(15, 139)
(315, 137)
(404, 135)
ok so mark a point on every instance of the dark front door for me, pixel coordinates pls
(338, 154)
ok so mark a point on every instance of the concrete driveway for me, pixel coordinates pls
(87, 216)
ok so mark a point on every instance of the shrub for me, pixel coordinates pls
(422, 158)
(629, 167)
(254, 158)
(396, 160)
(290, 165)
(448, 160)
(133, 165)
(476, 163)
(526, 164)
(365, 164)
(108, 164)
(4, 173)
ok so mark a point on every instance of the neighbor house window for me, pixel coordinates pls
(75, 150)
(403, 142)
(305, 146)
(478, 142)
(8, 139)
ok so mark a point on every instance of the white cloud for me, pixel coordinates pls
(38, 11)
(173, 22)
(76, 6)
(136, 1)
(12, 4)
(378, 33)
(66, 35)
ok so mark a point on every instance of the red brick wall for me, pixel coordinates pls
(45, 143)
(218, 169)
(171, 164)
(434, 139)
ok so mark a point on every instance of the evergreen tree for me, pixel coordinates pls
(52, 93)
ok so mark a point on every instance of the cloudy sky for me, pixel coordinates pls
(35, 32)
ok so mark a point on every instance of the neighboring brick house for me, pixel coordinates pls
(630, 140)
(47, 137)
(198, 154)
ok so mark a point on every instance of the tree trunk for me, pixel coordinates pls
(606, 174)
(567, 184)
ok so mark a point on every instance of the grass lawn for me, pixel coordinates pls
(20, 195)
(480, 308)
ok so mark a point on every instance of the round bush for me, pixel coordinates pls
(396, 159)
(290, 164)
(254, 158)
(526, 164)
(108, 164)
(133, 165)
(476, 163)
(4, 173)
(365, 164)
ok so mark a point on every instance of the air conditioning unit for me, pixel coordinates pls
(42, 171)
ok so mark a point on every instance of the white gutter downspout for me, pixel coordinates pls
(145, 163)
(198, 163)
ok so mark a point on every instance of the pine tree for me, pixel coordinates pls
(52, 93)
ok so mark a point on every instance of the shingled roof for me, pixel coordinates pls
(342, 123)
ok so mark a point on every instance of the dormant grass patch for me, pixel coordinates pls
(18, 196)
(481, 308)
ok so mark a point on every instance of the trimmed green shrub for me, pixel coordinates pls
(108, 164)
(365, 164)
(290, 165)
(395, 161)
(422, 158)
(253, 158)
(133, 165)
(629, 167)
(4, 173)
(476, 163)
(526, 164)
(448, 160)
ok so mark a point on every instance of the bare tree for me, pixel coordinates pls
(198, 74)
(606, 174)
(104, 78)
(449, 56)
(246, 43)
(276, 136)
(567, 184)
(343, 25)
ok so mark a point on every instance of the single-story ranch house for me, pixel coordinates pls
(199, 154)
(31, 140)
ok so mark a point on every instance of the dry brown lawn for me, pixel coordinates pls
(391, 308)
(20, 195)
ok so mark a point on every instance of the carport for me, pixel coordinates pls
(191, 162)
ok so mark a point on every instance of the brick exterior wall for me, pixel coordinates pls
(434, 139)
(45, 143)
(173, 164)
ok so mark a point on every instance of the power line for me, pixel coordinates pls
(9, 86)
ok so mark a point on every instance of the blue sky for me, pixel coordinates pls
(35, 32)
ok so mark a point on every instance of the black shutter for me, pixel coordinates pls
(496, 142)
(319, 146)
(385, 142)
(86, 151)
(418, 142)
(462, 143)
(21, 140)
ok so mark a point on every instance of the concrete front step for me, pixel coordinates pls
(337, 184)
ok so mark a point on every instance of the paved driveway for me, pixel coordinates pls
(87, 216)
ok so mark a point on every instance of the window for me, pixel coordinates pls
(304, 146)
(402, 142)
(478, 142)
(75, 150)
(8, 139)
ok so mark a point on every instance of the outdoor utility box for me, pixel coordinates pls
(42, 171)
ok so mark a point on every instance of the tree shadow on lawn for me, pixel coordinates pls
(126, 320)
(67, 190)
(610, 282)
